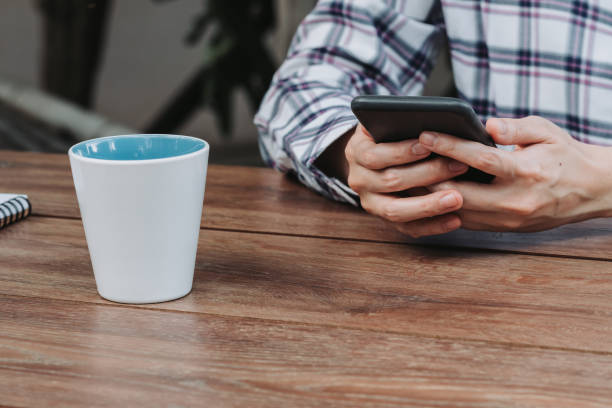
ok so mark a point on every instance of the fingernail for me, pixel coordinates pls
(456, 166)
(448, 200)
(427, 139)
(418, 149)
(502, 128)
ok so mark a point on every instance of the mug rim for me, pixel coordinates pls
(205, 148)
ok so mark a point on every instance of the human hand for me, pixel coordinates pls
(550, 179)
(376, 171)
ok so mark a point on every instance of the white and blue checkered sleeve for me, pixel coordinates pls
(342, 49)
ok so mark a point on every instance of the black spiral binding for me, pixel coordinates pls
(14, 210)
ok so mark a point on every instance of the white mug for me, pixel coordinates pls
(141, 199)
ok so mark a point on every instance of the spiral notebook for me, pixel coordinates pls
(13, 208)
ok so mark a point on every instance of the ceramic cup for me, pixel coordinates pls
(141, 199)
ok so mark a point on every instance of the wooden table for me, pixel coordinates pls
(298, 301)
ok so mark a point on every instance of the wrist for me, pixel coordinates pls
(333, 161)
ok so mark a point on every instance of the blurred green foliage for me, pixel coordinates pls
(232, 35)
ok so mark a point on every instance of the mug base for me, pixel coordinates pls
(140, 301)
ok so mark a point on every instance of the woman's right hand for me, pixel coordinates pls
(377, 170)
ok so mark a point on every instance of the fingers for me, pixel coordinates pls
(488, 159)
(490, 198)
(476, 196)
(408, 209)
(381, 168)
(524, 131)
(401, 178)
(430, 226)
(375, 156)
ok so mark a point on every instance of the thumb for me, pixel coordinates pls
(524, 131)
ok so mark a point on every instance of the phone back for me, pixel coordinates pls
(392, 118)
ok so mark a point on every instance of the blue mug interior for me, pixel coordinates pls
(138, 147)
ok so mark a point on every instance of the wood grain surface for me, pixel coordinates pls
(301, 302)
(81, 354)
(263, 200)
(508, 298)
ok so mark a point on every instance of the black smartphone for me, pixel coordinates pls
(396, 118)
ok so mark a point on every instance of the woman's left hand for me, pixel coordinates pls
(550, 179)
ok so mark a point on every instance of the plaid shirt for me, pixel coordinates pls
(510, 58)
